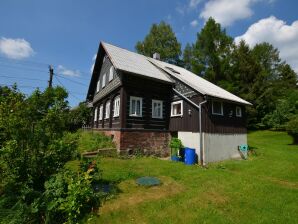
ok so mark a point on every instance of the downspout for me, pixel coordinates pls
(202, 161)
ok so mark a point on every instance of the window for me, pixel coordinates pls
(135, 108)
(157, 109)
(173, 70)
(217, 108)
(100, 112)
(238, 112)
(107, 112)
(95, 114)
(116, 106)
(111, 74)
(103, 84)
(177, 108)
(98, 85)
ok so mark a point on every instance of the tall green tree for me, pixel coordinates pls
(161, 39)
(188, 57)
(211, 52)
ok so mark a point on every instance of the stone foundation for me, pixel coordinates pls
(130, 142)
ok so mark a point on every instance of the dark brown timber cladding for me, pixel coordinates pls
(210, 123)
(111, 122)
(147, 89)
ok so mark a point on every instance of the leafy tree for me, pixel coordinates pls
(211, 52)
(161, 39)
(188, 57)
(33, 144)
(78, 116)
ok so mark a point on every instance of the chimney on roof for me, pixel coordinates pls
(156, 56)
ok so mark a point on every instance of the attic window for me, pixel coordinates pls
(172, 70)
(111, 74)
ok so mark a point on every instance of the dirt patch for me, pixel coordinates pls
(214, 197)
(283, 183)
(132, 194)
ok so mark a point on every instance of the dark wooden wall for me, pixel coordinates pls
(148, 90)
(111, 122)
(210, 123)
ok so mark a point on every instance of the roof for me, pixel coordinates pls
(198, 83)
(132, 62)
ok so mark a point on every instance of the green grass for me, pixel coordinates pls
(262, 189)
(92, 141)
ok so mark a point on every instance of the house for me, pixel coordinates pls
(141, 102)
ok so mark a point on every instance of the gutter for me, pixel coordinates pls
(202, 153)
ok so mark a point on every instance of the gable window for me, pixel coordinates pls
(95, 114)
(111, 74)
(103, 83)
(98, 85)
(116, 106)
(238, 112)
(157, 107)
(100, 112)
(177, 108)
(217, 108)
(107, 112)
(135, 108)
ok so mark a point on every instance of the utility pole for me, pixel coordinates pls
(51, 71)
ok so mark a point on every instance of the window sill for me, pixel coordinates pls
(157, 117)
(217, 114)
(178, 115)
(133, 115)
(116, 116)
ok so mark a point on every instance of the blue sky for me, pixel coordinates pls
(66, 34)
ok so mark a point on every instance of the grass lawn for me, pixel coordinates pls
(263, 189)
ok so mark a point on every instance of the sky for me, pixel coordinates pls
(66, 34)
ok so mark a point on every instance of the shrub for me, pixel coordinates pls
(90, 141)
(175, 145)
(292, 128)
(70, 196)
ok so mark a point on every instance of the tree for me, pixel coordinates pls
(161, 39)
(188, 57)
(211, 52)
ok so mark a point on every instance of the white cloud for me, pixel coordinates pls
(279, 34)
(68, 72)
(15, 48)
(93, 63)
(194, 23)
(226, 12)
(194, 3)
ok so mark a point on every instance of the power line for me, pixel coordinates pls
(65, 88)
(80, 83)
(15, 77)
(22, 68)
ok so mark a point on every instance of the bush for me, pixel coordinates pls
(90, 141)
(70, 196)
(292, 128)
(175, 146)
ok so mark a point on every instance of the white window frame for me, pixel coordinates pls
(103, 83)
(98, 85)
(116, 106)
(95, 114)
(107, 109)
(240, 110)
(100, 112)
(111, 74)
(131, 109)
(172, 109)
(221, 108)
(161, 108)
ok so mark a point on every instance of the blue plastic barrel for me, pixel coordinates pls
(189, 156)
